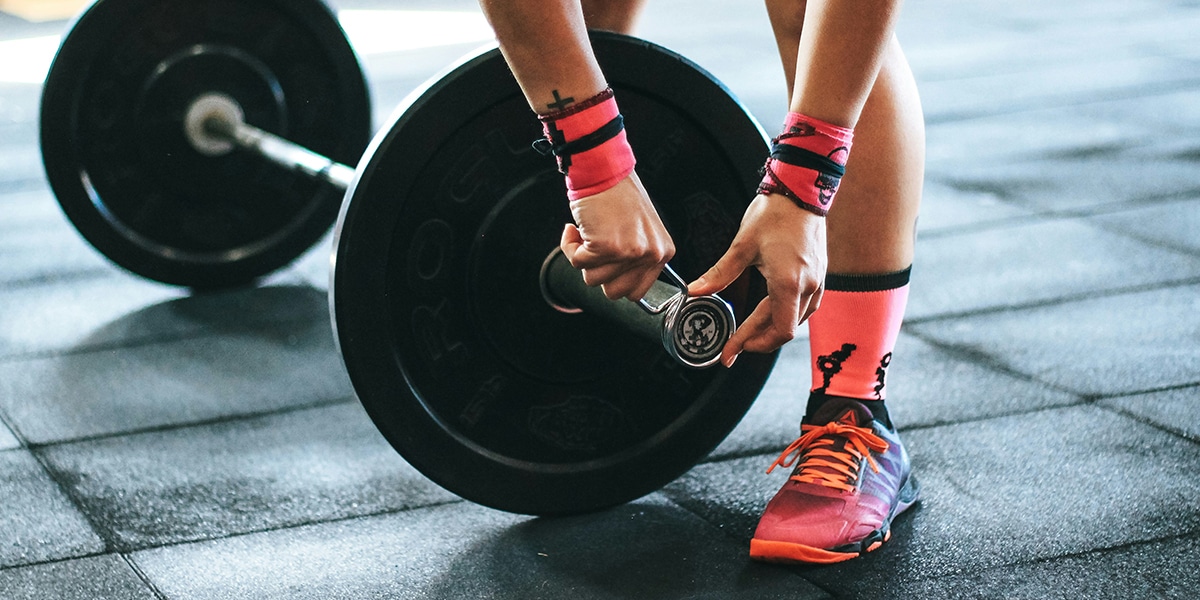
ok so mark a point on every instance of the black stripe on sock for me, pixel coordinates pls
(867, 283)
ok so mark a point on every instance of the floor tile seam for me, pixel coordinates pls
(57, 278)
(1066, 100)
(994, 363)
(1058, 301)
(154, 340)
(141, 575)
(1087, 217)
(55, 561)
(7, 422)
(1008, 566)
(77, 501)
(1035, 216)
(132, 550)
(982, 359)
(743, 541)
(1123, 412)
(1145, 239)
(767, 453)
(192, 425)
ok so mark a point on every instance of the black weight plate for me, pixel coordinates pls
(457, 358)
(124, 173)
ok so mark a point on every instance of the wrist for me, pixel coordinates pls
(807, 162)
(589, 143)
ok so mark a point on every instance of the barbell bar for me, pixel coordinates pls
(691, 329)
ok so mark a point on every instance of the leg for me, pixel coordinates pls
(872, 224)
(871, 238)
(852, 335)
(612, 15)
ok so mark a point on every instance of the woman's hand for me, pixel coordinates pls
(787, 245)
(618, 240)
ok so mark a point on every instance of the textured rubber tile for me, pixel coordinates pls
(975, 145)
(1088, 177)
(212, 377)
(31, 209)
(39, 522)
(19, 164)
(121, 310)
(925, 386)
(217, 480)
(1171, 115)
(106, 577)
(1174, 410)
(1168, 570)
(39, 244)
(996, 492)
(313, 266)
(72, 315)
(948, 39)
(1112, 345)
(1173, 224)
(8, 441)
(1036, 86)
(39, 255)
(648, 549)
(1040, 261)
(944, 209)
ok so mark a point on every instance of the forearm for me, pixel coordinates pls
(546, 45)
(832, 66)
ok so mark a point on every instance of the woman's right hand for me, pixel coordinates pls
(618, 240)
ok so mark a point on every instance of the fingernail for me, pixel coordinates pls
(729, 363)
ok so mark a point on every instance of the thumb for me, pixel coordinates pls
(571, 241)
(728, 268)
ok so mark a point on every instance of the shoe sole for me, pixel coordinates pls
(791, 553)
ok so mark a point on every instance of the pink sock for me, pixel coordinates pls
(853, 333)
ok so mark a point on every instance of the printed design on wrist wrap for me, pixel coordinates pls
(588, 141)
(807, 163)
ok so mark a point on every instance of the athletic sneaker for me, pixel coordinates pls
(852, 477)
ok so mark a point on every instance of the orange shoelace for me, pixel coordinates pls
(825, 465)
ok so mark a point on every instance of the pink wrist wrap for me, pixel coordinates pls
(589, 141)
(807, 162)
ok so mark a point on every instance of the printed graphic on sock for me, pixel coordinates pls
(881, 375)
(831, 364)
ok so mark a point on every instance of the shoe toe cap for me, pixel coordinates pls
(816, 521)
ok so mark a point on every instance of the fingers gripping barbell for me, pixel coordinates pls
(165, 123)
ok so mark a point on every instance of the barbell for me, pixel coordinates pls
(200, 143)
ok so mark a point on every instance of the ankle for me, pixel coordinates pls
(878, 408)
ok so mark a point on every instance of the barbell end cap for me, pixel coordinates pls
(211, 123)
(698, 330)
